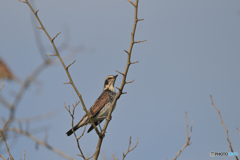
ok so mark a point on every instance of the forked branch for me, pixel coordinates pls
(77, 138)
(128, 150)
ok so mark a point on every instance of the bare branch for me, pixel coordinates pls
(230, 145)
(2, 84)
(24, 155)
(77, 138)
(188, 138)
(118, 95)
(140, 19)
(93, 154)
(129, 150)
(82, 132)
(114, 157)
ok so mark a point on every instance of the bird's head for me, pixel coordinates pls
(109, 83)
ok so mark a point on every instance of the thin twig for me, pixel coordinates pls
(132, 3)
(77, 138)
(130, 81)
(140, 41)
(134, 62)
(129, 150)
(93, 154)
(230, 145)
(188, 138)
(126, 51)
(55, 37)
(120, 72)
(70, 64)
(114, 157)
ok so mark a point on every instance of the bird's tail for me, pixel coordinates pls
(74, 128)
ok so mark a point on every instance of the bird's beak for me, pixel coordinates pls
(116, 76)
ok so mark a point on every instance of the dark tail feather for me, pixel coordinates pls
(91, 128)
(71, 132)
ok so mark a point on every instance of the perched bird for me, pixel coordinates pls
(101, 107)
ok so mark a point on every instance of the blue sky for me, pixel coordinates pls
(192, 51)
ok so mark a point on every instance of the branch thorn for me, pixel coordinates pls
(134, 62)
(126, 51)
(70, 64)
(36, 12)
(67, 83)
(140, 41)
(22, 1)
(132, 3)
(39, 27)
(120, 72)
(51, 55)
(130, 81)
(55, 36)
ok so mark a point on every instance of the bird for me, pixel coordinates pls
(100, 109)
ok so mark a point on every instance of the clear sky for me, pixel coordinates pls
(192, 51)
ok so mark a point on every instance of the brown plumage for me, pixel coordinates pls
(101, 107)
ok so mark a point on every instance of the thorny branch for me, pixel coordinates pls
(129, 52)
(63, 64)
(188, 138)
(128, 150)
(230, 145)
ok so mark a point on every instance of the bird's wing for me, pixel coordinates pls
(99, 103)
(96, 107)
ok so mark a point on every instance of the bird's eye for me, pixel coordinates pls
(106, 82)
